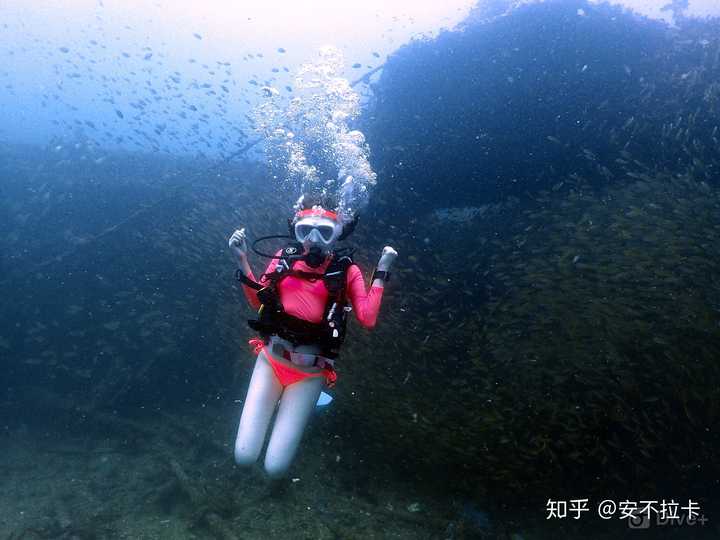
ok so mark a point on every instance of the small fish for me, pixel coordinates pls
(280, 50)
(356, 65)
(629, 122)
(197, 36)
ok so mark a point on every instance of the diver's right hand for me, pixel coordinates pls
(238, 243)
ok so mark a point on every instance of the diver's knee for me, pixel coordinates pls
(276, 468)
(245, 456)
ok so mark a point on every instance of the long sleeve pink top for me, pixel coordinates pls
(306, 299)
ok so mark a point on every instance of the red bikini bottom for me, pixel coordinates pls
(289, 374)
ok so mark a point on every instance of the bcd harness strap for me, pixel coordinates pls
(272, 318)
(242, 278)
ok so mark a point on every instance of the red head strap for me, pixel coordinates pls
(316, 212)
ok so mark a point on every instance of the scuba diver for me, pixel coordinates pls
(303, 301)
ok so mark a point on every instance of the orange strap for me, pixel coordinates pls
(257, 345)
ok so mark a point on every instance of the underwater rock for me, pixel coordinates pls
(475, 519)
(470, 523)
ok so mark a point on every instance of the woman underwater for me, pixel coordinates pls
(303, 298)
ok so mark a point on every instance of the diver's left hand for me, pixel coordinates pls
(387, 258)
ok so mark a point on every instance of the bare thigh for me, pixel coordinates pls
(296, 406)
(264, 391)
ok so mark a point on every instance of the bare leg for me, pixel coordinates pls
(262, 397)
(296, 406)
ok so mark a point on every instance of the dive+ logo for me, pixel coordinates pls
(644, 522)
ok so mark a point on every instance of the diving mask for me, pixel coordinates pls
(316, 226)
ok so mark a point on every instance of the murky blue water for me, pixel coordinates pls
(550, 332)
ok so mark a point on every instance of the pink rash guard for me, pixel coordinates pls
(306, 299)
